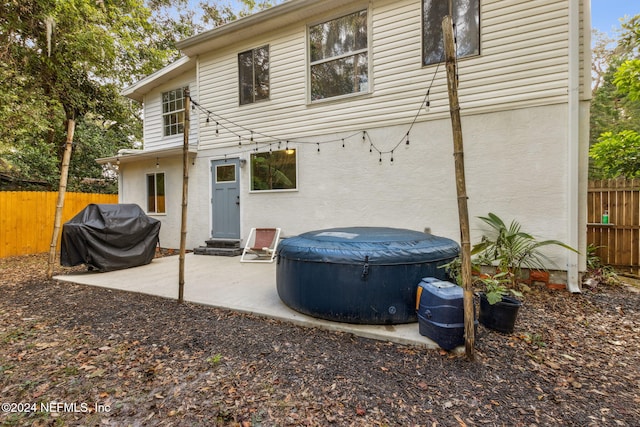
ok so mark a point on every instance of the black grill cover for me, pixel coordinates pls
(109, 237)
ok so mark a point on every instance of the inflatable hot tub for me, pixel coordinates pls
(364, 275)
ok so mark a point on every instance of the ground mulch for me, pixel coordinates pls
(79, 355)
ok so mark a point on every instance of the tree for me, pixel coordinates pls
(75, 55)
(615, 111)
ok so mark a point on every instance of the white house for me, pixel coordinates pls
(326, 113)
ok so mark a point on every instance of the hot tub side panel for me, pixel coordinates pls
(354, 293)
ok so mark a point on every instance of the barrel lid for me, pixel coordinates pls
(376, 245)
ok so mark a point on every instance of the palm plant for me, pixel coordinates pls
(512, 249)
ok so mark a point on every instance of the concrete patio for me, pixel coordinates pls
(227, 283)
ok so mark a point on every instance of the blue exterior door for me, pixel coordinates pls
(225, 199)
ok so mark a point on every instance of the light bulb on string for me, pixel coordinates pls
(318, 146)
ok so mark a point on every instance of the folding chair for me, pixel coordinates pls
(261, 245)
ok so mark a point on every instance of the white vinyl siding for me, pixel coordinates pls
(523, 63)
(154, 137)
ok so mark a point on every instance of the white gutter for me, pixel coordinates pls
(573, 138)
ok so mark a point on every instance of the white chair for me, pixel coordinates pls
(261, 245)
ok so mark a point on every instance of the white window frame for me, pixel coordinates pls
(354, 53)
(178, 113)
(438, 31)
(253, 83)
(155, 191)
(275, 190)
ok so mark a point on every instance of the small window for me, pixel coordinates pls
(274, 170)
(253, 70)
(173, 111)
(155, 193)
(339, 56)
(466, 17)
(225, 173)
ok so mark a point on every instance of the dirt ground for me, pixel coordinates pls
(77, 355)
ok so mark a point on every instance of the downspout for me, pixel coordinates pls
(573, 219)
(197, 96)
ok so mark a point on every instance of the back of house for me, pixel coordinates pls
(332, 113)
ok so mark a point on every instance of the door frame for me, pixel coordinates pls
(212, 187)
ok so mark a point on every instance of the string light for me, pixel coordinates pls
(271, 140)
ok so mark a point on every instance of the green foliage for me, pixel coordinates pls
(497, 286)
(617, 154)
(597, 272)
(615, 106)
(512, 249)
(627, 79)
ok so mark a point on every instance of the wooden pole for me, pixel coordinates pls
(463, 211)
(62, 189)
(185, 192)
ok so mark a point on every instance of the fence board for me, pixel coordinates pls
(26, 218)
(618, 243)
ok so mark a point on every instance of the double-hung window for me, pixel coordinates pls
(155, 193)
(466, 17)
(253, 75)
(173, 111)
(339, 56)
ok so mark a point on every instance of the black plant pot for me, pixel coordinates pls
(500, 316)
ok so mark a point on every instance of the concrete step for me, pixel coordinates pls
(204, 250)
(223, 243)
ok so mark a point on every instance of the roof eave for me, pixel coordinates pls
(138, 90)
(276, 17)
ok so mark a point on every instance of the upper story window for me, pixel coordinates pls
(339, 56)
(173, 111)
(253, 75)
(466, 16)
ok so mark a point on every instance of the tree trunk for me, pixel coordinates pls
(62, 189)
(463, 212)
(185, 193)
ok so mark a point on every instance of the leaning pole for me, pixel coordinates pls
(185, 192)
(463, 211)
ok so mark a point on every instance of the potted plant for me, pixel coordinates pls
(509, 250)
(498, 304)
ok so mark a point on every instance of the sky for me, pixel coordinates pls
(605, 14)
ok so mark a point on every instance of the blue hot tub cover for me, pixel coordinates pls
(382, 246)
(366, 275)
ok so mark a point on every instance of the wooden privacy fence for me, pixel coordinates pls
(26, 218)
(618, 241)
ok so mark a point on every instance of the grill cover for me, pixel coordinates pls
(109, 237)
